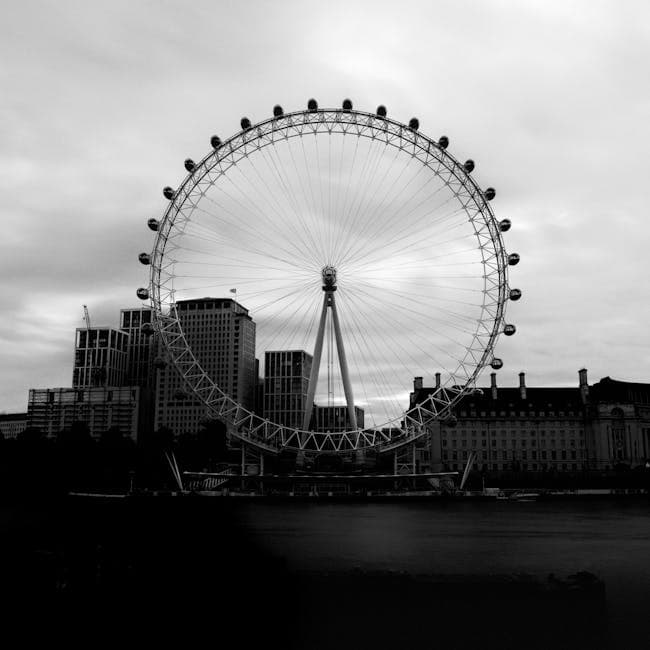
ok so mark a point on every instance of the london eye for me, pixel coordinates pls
(353, 237)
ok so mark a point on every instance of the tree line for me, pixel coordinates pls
(74, 460)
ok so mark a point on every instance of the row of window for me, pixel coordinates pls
(535, 467)
(521, 414)
(513, 431)
(553, 454)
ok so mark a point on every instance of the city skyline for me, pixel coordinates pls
(552, 113)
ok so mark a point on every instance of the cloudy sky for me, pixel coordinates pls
(102, 101)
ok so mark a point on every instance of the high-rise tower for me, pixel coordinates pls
(221, 335)
(286, 383)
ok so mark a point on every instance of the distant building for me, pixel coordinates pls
(11, 424)
(335, 419)
(221, 334)
(52, 410)
(286, 382)
(542, 429)
(100, 357)
(141, 350)
(140, 347)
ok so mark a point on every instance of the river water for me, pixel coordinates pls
(609, 538)
(233, 561)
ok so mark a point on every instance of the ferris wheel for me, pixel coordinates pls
(349, 236)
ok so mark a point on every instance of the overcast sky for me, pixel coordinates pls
(101, 102)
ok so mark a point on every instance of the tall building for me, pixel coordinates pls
(286, 382)
(141, 351)
(335, 419)
(141, 346)
(100, 357)
(560, 429)
(221, 335)
(52, 410)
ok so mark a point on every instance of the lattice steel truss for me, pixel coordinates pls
(272, 437)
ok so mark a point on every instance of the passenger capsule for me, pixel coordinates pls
(312, 105)
(215, 141)
(245, 123)
(277, 111)
(144, 258)
(160, 363)
(443, 142)
(179, 395)
(142, 293)
(509, 329)
(496, 363)
(153, 224)
(381, 111)
(490, 193)
(513, 259)
(515, 294)
(469, 166)
(347, 104)
(504, 225)
(451, 421)
(414, 123)
(147, 329)
(189, 165)
(169, 193)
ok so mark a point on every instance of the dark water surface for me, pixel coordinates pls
(609, 538)
(212, 566)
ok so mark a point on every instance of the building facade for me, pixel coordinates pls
(618, 423)
(286, 382)
(11, 424)
(541, 429)
(334, 419)
(52, 410)
(140, 347)
(221, 334)
(100, 357)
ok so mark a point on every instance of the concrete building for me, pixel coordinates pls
(221, 334)
(286, 381)
(335, 418)
(11, 424)
(541, 429)
(52, 410)
(100, 357)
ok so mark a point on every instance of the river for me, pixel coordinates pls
(143, 551)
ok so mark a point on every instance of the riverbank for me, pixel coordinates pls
(512, 494)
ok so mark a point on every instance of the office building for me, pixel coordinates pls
(51, 410)
(286, 382)
(140, 347)
(100, 357)
(221, 335)
(335, 419)
(11, 424)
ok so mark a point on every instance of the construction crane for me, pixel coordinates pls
(86, 317)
